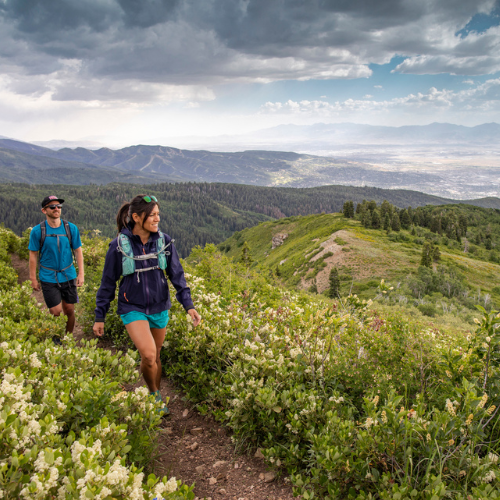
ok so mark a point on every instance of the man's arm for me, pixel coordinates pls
(80, 279)
(32, 268)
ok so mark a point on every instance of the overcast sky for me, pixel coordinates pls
(136, 71)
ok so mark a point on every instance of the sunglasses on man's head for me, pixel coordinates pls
(148, 199)
(53, 207)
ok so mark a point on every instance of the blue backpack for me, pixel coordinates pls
(43, 235)
(128, 257)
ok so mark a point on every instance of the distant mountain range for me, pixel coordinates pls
(141, 164)
(321, 137)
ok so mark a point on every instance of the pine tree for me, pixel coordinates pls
(334, 289)
(351, 209)
(396, 225)
(345, 209)
(426, 255)
(436, 254)
(367, 219)
(245, 255)
(405, 219)
(387, 222)
(375, 219)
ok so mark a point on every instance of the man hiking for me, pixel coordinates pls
(53, 243)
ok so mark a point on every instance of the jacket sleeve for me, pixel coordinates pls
(175, 273)
(110, 275)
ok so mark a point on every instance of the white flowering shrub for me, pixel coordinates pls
(68, 430)
(352, 404)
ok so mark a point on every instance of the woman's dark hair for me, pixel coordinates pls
(137, 206)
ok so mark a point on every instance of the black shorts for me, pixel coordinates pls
(54, 293)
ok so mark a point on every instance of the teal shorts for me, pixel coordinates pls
(158, 320)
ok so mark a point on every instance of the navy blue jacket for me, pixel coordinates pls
(150, 295)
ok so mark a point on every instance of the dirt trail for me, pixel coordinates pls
(195, 449)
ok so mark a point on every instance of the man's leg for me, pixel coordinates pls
(69, 311)
(69, 296)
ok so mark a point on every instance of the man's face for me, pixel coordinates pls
(52, 210)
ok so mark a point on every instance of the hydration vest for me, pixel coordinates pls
(43, 235)
(128, 257)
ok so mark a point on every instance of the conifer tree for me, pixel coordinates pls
(367, 219)
(426, 255)
(334, 281)
(245, 255)
(376, 219)
(405, 219)
(387, 222)
(436, 254)
(396, 225)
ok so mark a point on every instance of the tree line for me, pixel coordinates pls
(193, 213)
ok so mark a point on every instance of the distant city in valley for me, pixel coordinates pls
(440, 159)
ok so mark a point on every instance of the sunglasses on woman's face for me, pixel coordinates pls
(148, 199)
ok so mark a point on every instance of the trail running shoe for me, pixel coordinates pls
(164, 411)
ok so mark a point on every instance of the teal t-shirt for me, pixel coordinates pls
(55, 256)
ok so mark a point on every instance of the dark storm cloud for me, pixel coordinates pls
(83, 44)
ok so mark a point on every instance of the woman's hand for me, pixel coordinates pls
(98, 329)
(194, 316)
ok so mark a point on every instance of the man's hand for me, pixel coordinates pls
(98, 329)
(80, 280)
(35, 285)
(194, 316)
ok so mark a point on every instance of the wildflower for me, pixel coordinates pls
(489, 477)
(450, 408)
(469, 419)
(428, 437)
(491, 409)
(462, 473)
(369, 422)
(483, 401)
(375, 401)
(477, 321)
(488, 339)
(448, 374)
(451, 442)
(384, 417)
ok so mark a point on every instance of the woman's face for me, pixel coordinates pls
(151, 222)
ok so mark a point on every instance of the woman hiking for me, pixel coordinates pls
(142, 255)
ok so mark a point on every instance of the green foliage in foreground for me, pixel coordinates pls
(68, 430)
(353, 405)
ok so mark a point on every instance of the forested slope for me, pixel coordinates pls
(195, 213)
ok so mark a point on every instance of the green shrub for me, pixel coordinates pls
(427, 310)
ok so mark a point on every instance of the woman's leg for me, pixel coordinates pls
(142, 337)
(159, 337)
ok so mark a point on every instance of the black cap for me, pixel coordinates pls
(50, 199)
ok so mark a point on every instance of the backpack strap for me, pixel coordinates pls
(128, 257)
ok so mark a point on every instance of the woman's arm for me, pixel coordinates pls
(110, 275)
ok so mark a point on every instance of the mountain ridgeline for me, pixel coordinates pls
(199, 213)
(460, 172)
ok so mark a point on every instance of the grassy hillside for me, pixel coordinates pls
(314, 245)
